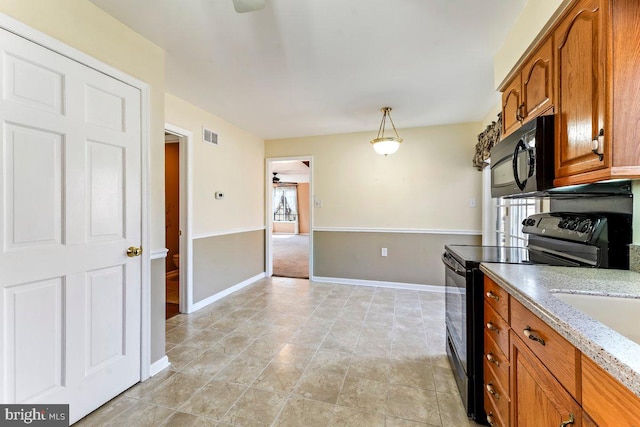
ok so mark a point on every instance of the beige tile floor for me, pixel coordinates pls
(289, 352)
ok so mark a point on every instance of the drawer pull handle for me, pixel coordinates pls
(570, 421)
(492, 391)
(491, 327)
(493, 296)
(492, 359)
(529, 334)
(490, 419)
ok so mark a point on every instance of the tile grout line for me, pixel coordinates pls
(306, 367)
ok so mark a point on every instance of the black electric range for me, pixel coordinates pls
(561, 239)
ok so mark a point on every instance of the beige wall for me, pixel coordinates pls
(427, 184)
(411, 258)
(223, 261)
(284, 227)
(234, 167)
(533, 18)
(158, 299)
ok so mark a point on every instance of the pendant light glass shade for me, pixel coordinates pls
(242, 6)
(386, 145)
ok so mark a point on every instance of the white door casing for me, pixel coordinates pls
(70, 203)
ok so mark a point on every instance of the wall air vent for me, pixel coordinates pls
(209, 136)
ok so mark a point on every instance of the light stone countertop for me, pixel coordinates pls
(532, 285)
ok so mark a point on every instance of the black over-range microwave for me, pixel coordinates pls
(523, 162)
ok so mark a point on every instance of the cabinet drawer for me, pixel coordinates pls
(494, 393)
(497, 328)
(495, 359)
(497, 298)
(493, 416)
(607, 401)
(555, 352)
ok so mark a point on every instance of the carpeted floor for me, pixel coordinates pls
(290, 255)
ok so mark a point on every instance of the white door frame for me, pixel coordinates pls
(269, 209)
(186, 215)
(57, 46)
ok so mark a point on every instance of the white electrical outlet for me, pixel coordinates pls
(317, 203)
(472, 202)
(383, 252)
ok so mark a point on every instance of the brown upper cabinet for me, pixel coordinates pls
(586, 68)
(511, 105)
(580, 72)
(530, 92)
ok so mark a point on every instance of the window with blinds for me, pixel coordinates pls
(509, 216)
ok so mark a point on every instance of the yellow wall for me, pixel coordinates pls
(82, 25)
(234, 167)
(533, 18)
(427, 184)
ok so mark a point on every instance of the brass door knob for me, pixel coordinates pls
(133, 251)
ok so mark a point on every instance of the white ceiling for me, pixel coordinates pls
(315, 67)
(291, 170)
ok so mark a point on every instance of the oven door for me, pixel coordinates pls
(456, 307)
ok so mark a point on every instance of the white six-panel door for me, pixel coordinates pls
(70, 207)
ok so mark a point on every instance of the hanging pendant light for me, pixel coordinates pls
(386, 144)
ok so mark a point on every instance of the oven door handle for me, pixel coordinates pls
(451, 265)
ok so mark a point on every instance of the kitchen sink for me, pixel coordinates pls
(620, 314)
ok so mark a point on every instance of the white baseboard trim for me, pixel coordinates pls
(379, 284)
(215, 297)
(159, 365)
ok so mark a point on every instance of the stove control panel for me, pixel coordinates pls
(567, 226)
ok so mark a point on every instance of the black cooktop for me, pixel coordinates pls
(472, 255)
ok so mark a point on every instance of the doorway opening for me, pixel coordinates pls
(289, 217)
(178, 282)
(172, 223)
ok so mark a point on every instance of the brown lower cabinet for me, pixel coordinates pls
(533, 377)
(538, 399)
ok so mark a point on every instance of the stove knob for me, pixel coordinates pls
(585, 226)
(531, 222)
(572, 225)
(525, 221)
(562, 224)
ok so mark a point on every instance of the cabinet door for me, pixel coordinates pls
(537, 397)
(537, 82)
(511, 102)
(580, 85)
(607, 401)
